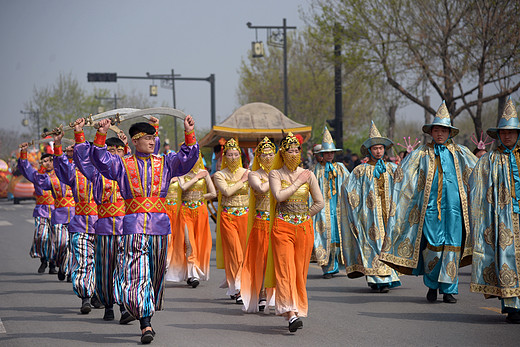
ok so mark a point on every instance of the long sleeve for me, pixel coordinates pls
(317, 197)
(212, 193)
(82, 160)
(180, 163)
(108, 164)
(223, 187)
(275, 182)
(64, 170)
(256, 183)
(41, 180)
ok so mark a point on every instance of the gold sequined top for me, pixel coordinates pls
(262, 199)
(173, 191)
(298, 203)
(239, 199)
(195, 192)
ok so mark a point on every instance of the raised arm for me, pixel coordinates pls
(109, 165)
(82, 151)
(180, 163)
(31, 173)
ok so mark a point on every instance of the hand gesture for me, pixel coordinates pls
(245, 176)
(122, 137)
(189, 123)
(79, 124)
(304, 176)
(104, 124)
(154, 120)
(24, 146)
(57, 137)
(201, 174)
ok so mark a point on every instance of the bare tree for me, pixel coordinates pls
(466, 51)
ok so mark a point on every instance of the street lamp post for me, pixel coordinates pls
(112, 77)
(273, 39)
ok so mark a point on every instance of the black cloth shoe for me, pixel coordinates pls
(261, 305)
(85, 306)
(295, 325)
(69, 279)
(52, 270)
(61, 274)
(194, 283)
(327, 276)
(147, 337)
(448, 298)
(126, 318)
(94, 301)
(109, 314)
(513, 318)
(42, 267)
(432, 295)
(238, 299)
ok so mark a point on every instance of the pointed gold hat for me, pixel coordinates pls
(327, 144)
(375, 138)
(509, 120)
(443, 119)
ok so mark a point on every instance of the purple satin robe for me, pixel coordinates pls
(61, 215)
(66, 172)
(30, 173)
(175, 164)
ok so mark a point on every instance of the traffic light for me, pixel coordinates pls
(102, 77)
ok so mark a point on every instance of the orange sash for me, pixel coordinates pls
(45, 199)
(67, 201)
(111, 209)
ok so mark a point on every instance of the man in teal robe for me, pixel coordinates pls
(428, 231)
(494, 216)
(365, 207)
(327, 241)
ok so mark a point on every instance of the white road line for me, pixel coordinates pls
(30, 221)
(2, 328)
(5, 223)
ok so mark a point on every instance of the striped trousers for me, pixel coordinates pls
(140, 284)
(42, 245)
(83, 264)
(60, 245)
(106, 258)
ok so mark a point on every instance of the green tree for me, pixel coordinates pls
(311, 87)
(459, 49)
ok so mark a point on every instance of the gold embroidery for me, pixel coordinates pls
(504, 196)
(421, 180)
(393, 208)
(431, 264)
(465, 175)
(371, 200)
(353, 199)
(414, 216)
(489, 275)
(508, 277)
(354, 230)
(373, 232)
(320, 252)
(489, 195)
(505, 237)
(489, 236)
(405, 249)
(386, 244)
(398, 175)
(451, 270)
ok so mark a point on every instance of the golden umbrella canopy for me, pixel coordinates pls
(251, 123)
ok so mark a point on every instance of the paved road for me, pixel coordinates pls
(39, 310)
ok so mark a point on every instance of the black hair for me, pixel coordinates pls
(45, 155)
(115, 142)
(141, 127)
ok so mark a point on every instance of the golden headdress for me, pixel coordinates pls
(289, 141)
(231, 144)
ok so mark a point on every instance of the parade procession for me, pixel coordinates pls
(349, 177)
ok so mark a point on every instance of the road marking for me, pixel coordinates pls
(2, 328)
(30, 221)
(5, 223)
(494, 309)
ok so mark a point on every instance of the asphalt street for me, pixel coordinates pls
(38, 310)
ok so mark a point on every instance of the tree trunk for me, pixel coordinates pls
(391, 121)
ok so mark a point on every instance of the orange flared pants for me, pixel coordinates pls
(292, 248)
(233, 231)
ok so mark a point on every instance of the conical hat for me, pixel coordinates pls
(509, 120)
(443, 119)
(375, 138)
(327, 144)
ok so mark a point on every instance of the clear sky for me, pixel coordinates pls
(41, 38)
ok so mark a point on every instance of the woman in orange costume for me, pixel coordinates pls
(192, 239)
(292, 234)
(252, 282)
(233, 207)
(172, 210)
